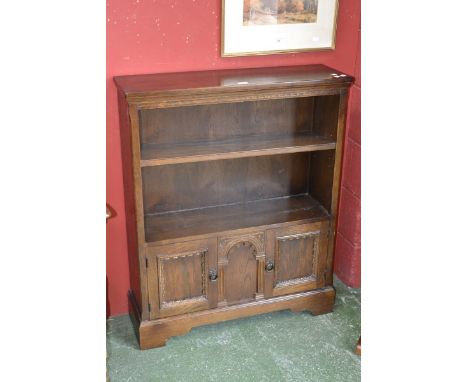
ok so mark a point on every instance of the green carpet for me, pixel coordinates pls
(280, 346)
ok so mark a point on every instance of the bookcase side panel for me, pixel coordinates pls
(134, 227)
(341, 123)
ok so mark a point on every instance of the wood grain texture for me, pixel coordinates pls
(156, 155)
(183, 276)
(275, 77)
(296, 256)
(232, 188)
(178, 278)
(321, 177)
(155, 333)
(206, 184)
(325, 117)
(223, 86)
(299, 257)
(240, 260)
(219, 122)
(137, 283)
(218, 220)
(335, 194)
(358, 347)
(240, 274)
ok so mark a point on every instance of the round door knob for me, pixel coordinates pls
(213, 275)
(269, 266)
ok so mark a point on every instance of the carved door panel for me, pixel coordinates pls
(182, 278)
(295, 258)
(241, 261)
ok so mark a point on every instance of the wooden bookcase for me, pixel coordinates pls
(231, 190)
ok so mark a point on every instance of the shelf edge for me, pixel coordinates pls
(237, 154)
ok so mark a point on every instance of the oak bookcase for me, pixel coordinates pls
(231, 189)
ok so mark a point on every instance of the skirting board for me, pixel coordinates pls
(155, 333)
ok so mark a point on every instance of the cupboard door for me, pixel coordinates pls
(241, 260)
(295, 258)
(182, 278)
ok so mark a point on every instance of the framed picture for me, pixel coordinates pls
(259, 27)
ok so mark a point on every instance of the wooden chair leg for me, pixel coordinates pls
(358, 347)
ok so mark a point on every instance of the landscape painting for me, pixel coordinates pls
(257, 27)
(268, 12)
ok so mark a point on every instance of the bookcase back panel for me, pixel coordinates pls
(326, 116)
(322, 165)
(225, 121)
(196, 185)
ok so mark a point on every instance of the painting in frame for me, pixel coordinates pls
(260, 27)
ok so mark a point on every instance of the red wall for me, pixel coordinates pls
(151, 36)
(348, 238)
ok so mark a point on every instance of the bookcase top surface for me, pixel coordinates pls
(231, 79)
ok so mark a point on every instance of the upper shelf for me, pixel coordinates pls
(147, 88)
(155, 155)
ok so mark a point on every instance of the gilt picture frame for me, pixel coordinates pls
(263, 27)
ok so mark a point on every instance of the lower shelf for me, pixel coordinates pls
(203, 221)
